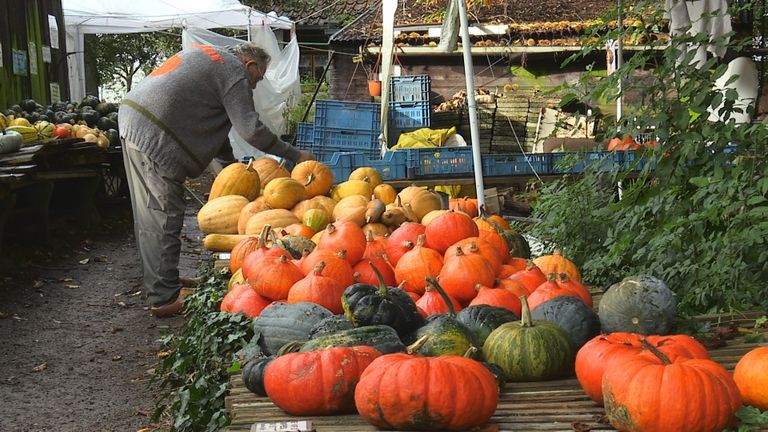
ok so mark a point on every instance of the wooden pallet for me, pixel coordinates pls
(558, 405)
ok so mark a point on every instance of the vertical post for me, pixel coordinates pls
(469, 75)
(620, 59)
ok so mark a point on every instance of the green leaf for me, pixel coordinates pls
(699, 182)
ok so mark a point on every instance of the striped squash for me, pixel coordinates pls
(529, 350)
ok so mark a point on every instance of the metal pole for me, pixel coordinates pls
(619, 60)
(469, 75)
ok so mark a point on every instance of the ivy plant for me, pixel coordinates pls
(694, 205)
(194, 375)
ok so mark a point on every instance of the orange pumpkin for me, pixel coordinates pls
(557, 263)
(344, 235)
(498, 297)
(459, 276)
(465, 204)
(364, 273)
(315, 176)
(447, 229)
(319, 289)
(298, 229)
(416, 265)
(751, 376)
(432, 303)
(317, 382)
(402, 240)
(273, 277)
(386, 193)
(478, 246)
(531, 277)
(269, 169)
(242, 299)
(236, 179)
(336, 265)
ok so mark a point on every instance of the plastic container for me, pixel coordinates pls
(304, 135)
(439, 161)
(330, 140)
(409, 116)
(391, 166)
(348, 115)
(415, 88)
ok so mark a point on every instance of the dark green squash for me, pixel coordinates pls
(518, 245)
(578, 320)
(382, 337)
(281, 323)
(330, 325)
(483, 319)
(367, 305)
(638, 304)
(253, 374)
(295, 245)
(497, 372)
(529, 350)
(443, 334)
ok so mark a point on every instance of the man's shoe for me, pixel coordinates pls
(168, 310)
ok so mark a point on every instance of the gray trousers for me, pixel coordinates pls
(158, 214)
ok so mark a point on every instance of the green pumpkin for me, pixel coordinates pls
(518, 245)
(638, 304)
(281, 323)
(443, 334)
(253, 375)
(331, 325)
(383, 338)
(529, 350)
(578, 320)
(366, 305)
(295, 245)
(483, 319)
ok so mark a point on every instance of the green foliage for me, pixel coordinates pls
(700, 220)
(119, 57)
(750, 420)
(295, 115)
(194, 375)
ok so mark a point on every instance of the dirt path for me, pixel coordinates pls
(78, 345)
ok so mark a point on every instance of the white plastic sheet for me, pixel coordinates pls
(280, 89)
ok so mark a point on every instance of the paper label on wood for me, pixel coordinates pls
(289, 426)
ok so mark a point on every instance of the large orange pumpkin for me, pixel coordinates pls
(595, 356)
(242, 299)
(650, 393)
(751, 376)
(272, 276)
(317, 382)
(402, 240)
(315, 176)
(402, 391)
(416, 265)
(461, 273)
(449, 228)
(344, 235)
(319, 289)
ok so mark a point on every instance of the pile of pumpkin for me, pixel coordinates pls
(397, 321)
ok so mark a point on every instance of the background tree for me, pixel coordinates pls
(119, 57)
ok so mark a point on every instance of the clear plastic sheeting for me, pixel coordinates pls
(280, 89)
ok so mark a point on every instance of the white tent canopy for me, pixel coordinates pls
(136, 16)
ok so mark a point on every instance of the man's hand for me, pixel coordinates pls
(305, 156)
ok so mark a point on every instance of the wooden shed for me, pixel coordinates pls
(33, 56)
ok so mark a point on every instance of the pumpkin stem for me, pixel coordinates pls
(310, 177)
(383, 290)
(417, 345)
(330, 229)
(444, 295)
(525, 316)
(250, 167)
(655, 351)
(319, 267)
(478, 286)
(421, 239)
(473, 247)
(263, 236)
(283, 259)
(470, 351)
(369, 236)
(401, 285)
(459, 252)
(552, 277)
(529, 264)
(564, 278)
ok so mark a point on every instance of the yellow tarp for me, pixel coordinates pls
(424, 138)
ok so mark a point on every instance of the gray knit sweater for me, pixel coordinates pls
(180, 115)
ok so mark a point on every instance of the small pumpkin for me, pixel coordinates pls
(531, 278)
(269, 169)
(464, 204)
(376, 229)
(236, 179)
(385, 192)
(403, 239)
(433, 303)
(407, 392)
(245, 247)
(638, 388)
(447, 229)
(331, 374)
(351, 187)
(460, 275)
(315, 176)
(284, 193)
(529, 350)
(318, 289)
(363, 271)
(369, 175)
(297, 229)
(638, 304)
(549, 290)
(370, 305)
(416, 265)
(499, 297)
(242, 299)
(344, 235)
(317, 219)
(557, 263)
(273, 277)
(256, 206)
(751, 377)
(253, 374)
(336, 265)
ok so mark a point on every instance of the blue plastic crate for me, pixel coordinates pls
(409, 116)
(391, 166)
(440, 161)
(349, 115)
(512, 164)
(305, 135)
(634, 161)
(414, 88)
(329, 140)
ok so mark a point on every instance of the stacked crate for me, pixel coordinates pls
(509, 125)
(409, 107)
(486, 112)
(341, 126)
